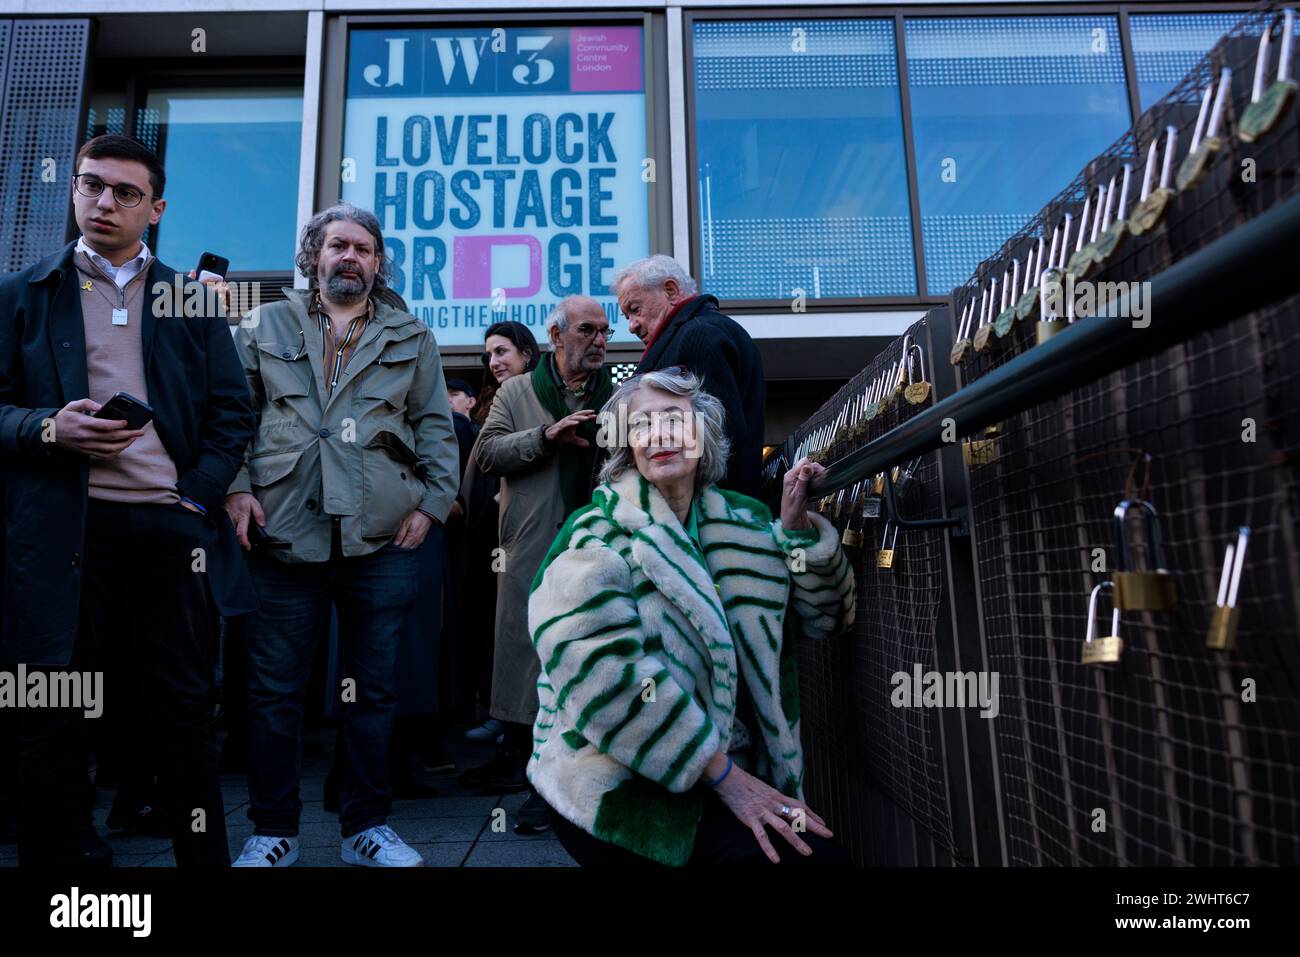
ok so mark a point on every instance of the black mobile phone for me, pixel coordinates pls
(216, 266)
(128, 407)
(257, 537)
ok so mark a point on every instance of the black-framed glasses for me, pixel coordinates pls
(124, 194)
(589, 331)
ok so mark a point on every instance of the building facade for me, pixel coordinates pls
(829, 171)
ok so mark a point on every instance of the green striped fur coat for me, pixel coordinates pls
(642, 640)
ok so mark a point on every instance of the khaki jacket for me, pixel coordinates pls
(510, 447)
(382, 445)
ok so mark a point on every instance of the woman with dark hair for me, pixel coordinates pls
(509, 349)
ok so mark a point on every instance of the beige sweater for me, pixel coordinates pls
(144, 472)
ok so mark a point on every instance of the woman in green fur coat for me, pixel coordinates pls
(668, 729)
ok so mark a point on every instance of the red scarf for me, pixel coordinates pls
(669, 319)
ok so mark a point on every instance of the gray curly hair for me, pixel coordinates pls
(710, 435)
(312, 241)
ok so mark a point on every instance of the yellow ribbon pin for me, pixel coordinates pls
(87, 285)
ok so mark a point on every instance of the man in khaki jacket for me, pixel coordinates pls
(354, 459)
(540, 439)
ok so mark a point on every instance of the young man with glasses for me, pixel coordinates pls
(540, 439)
(116, 543)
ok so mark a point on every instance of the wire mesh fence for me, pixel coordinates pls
(1177, 752)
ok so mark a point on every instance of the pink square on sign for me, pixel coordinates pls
(604, 59)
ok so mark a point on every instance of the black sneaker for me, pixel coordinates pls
(533, 817)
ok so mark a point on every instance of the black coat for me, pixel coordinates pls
(722, 354)
(202, 412)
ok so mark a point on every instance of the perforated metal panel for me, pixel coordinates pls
(42, 83)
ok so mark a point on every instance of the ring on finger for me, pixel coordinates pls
(786, 811)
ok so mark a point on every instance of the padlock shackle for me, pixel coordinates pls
(1091, 633)
(1154, 541)
(1238, 561)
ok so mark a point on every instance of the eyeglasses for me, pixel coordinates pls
(88, 184)
(588, 331)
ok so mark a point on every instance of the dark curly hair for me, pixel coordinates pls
(313, 240)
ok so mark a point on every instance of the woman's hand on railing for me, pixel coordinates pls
(794, 494)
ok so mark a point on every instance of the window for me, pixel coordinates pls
(507, 167)
(231, 157)
(801, 181)
(1005, 110)
(1167, 46)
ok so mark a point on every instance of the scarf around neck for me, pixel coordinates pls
(575, 462)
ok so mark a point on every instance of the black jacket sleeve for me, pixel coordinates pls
(227, 427)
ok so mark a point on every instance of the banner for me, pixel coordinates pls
(507, 167)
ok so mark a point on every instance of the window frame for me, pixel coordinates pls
(138, 78)
(924, 299)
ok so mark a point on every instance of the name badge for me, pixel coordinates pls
(119, 317)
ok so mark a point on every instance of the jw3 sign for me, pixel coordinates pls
(506, 166)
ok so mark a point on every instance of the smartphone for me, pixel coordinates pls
(212, 266)
(258, 539)
(128, 407)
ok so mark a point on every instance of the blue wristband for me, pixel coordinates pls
(190, 501)
(714, 784)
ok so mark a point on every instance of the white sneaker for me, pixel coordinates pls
(380, 847)
(263, 851)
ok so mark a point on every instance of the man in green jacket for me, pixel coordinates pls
(354, 459)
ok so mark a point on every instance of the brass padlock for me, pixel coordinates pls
(1027, 304)
(878, 484)
(918, 390)
(1106, 649)
(1266, 108)
(1155, 194)
(852, 537)
(1155, 590)
(979, 452)
(885, 557)
(1205, 147)
(985, 336)
(1081, 262)
(1007, 317)
(1223, 622)
(1050, 288)
(984, 331)
(962, 344)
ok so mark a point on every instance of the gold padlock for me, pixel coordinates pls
(1104, 650)
(1206, 143)
(978, 452)
(962, 345)
(1154, 590)
(1050, 323)
(885, 556)
(918, 390)
(1223, 622)
(1266, 108)
(878, 484)
(1155, 193)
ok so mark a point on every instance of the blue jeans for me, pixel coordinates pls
(371, 595)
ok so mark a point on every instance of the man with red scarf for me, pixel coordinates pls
(681, 328)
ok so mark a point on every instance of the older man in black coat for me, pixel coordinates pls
(116, 541)
(681, 328)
